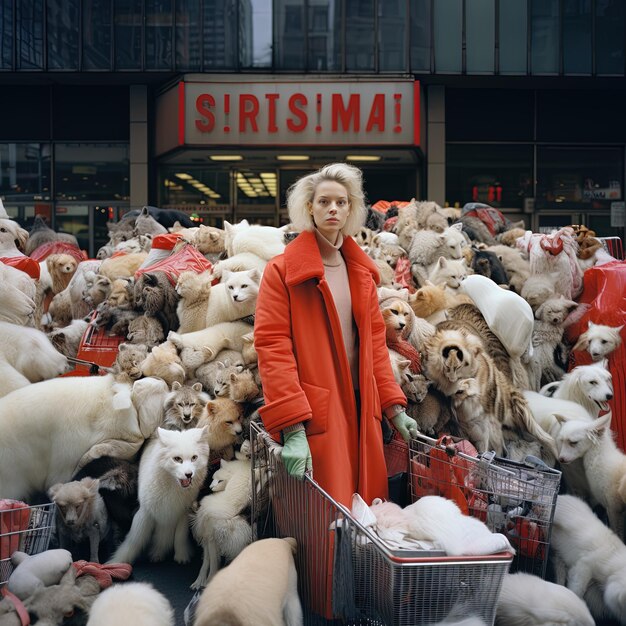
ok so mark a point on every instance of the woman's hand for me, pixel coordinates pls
(296, 453)
(405, 425)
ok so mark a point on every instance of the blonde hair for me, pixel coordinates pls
(302, 192)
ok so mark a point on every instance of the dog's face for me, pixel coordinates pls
(184, 406)
(452, 242)
(225, 416)
(61, 264)
(184, 453)
(452, 273)
(414, 386)
(555, 310)
(75, 499)
(451, 354)
(596, 383)
(241, 286)
(397, 315)
(577, 436)
(129, 359)
(602, 340)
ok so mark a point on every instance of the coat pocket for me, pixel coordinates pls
(319, 399)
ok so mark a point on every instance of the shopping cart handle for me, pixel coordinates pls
(537, 463)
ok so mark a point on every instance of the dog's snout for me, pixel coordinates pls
(401, 324)
(609, 396)
(188, 474)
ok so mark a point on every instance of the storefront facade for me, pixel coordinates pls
(517, 103)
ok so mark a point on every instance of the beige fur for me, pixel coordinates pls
(428, 300)
(194, 291)
(67, 339)
(163, 362)
(123, 266)
(121, 294)
(266, 570)
(98, 291)
(209, 239)
(449, 272)
(399, 317)
(510, 237)
(60, 309)
(516, 266)
(213, 339)
(128, 363)
(235, 297)
(146, 330)
(248, 352)
(599, 340)
(223, 418)
(61, 268)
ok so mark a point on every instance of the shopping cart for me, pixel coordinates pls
(346, 572)
(26, 529)
(516, 499)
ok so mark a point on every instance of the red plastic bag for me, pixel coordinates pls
(186, 259)
(402, 274)
(604, 289)
(24, 263)
(58, 247)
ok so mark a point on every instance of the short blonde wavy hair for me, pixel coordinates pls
(302, 192)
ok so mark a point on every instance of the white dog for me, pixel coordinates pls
(172, 469)
(527, 600)
(599, 340)
(266, 574)
(589, 557)
(138, 604)
(233, 298)
(212, 340)
(589, 385)
(49, 430)
(17, 296)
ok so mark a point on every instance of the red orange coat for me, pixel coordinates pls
(305, 370)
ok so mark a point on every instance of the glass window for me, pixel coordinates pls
(24, 214)
(360, 36)
(188, 35)
(30, 34)
(74, 219)
(324, 36)
(86, 171)
(128, 20)
(159, 23)
(420, 35)
(181, 185)
(545, 37)
(6, 34)
(499, 175)
(220, 34)
(589, 177)
(25, 171)
(609, 37)
(256, 195)
(62, 34)
(480, 36)
(448, 35)
(289, 34)
(255, 33)
(577, 36)
(513, 36)
(392, 25)
(97, 22)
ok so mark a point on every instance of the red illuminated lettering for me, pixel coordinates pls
(204, 102)
(377, 114)
(271, 113)
(248, 111)
(346, 114)
(298, 112)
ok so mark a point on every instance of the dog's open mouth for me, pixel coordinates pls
(603, 405)
(185, 482)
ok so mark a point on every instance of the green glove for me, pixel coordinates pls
(296, 453)
(405, 425)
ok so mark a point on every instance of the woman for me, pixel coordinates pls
(320, 338)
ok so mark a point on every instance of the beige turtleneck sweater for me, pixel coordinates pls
(336, 274)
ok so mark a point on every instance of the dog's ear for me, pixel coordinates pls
(233, 377)
(605, 364)
(570, 305)
(176, 386)
(52, 492)
(92, 484)
(539, 311)
(195, 386)
(601, 424)
(561, 419)
(212, 408)
(583, 343)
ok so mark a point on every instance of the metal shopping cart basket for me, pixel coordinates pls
(26, 529)
(516, 499)
(347, 573)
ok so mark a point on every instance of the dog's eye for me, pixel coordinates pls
(230, 286)
(3, 230)
(230, 423)
(593, 382)
(394, 311)
(194, 457)
(178, 459)
(604, 341)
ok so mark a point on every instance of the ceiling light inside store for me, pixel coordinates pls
(292, 157)
(226, 157)
(363, 157)
(184, 176)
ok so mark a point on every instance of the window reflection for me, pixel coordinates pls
(97, 34)
(220, 34)
(6, 34)
(577, 37)
(25, 171)
(30, 34)
(62, 34)
(392, 24)
(290, 36)
(609, 36)
(360, 35)
(324, 44)
(188, 35)
(159, 22)
(420, 35)
(128, 19)
(255, 33)
(545, 37)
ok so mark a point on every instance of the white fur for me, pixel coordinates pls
(599, 340)
(138, 604)
(17, 296)
(212, 340)
(217, 525)
(10, 232)
(589, 557)
(527, 600)
(239, 263)
(449, 272)
(51, 429)
(263, 241)
(26, 355)
(427, 246)
(172, 469)
(538, 288)
(79, 285)
(437, 519)
(233, 298)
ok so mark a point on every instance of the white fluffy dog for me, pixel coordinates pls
(599, 340)
(589, 385)
(17, 296)
(51, 429)
(26, 356)
(172, 469)
(527, 600)
(138, 604)
(11, 235)
(589, 557)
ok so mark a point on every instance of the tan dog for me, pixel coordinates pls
(61, 268)
(266, 571)
(429, 300)
(123, 266)
(163, 362)
(399, 318)
(223, 417)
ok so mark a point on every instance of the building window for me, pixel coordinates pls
(324, 42)
(255, 33)
(159, 24)
(289, 37)
(587, 178)
(420, 35)
(188, 35)
(128, 20)
(97, 22)
(392, 25)
(220, 34)
(610, 37)
(62, 34)
(480, 36)
(181, 186)
(6, 34)
(448, 34)
(25, 171)
(498, 175)
(513, 37)
(577, 36)
(545, 37)
(30, 34)
(360, 36)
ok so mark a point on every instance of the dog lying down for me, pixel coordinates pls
(266, 571)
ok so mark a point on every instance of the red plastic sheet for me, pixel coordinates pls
(186, 259)
(23, 263)
(58, 247)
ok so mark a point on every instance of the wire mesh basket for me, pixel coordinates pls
(346, 572)
(516, 499)
(26, 529)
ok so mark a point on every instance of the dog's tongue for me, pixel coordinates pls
(185, 482)
(604, 406)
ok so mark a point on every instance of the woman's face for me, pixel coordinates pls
(330, 209)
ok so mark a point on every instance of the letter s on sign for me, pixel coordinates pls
(298, 112)
(204, 102)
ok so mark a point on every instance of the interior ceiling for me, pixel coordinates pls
(264, 157)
